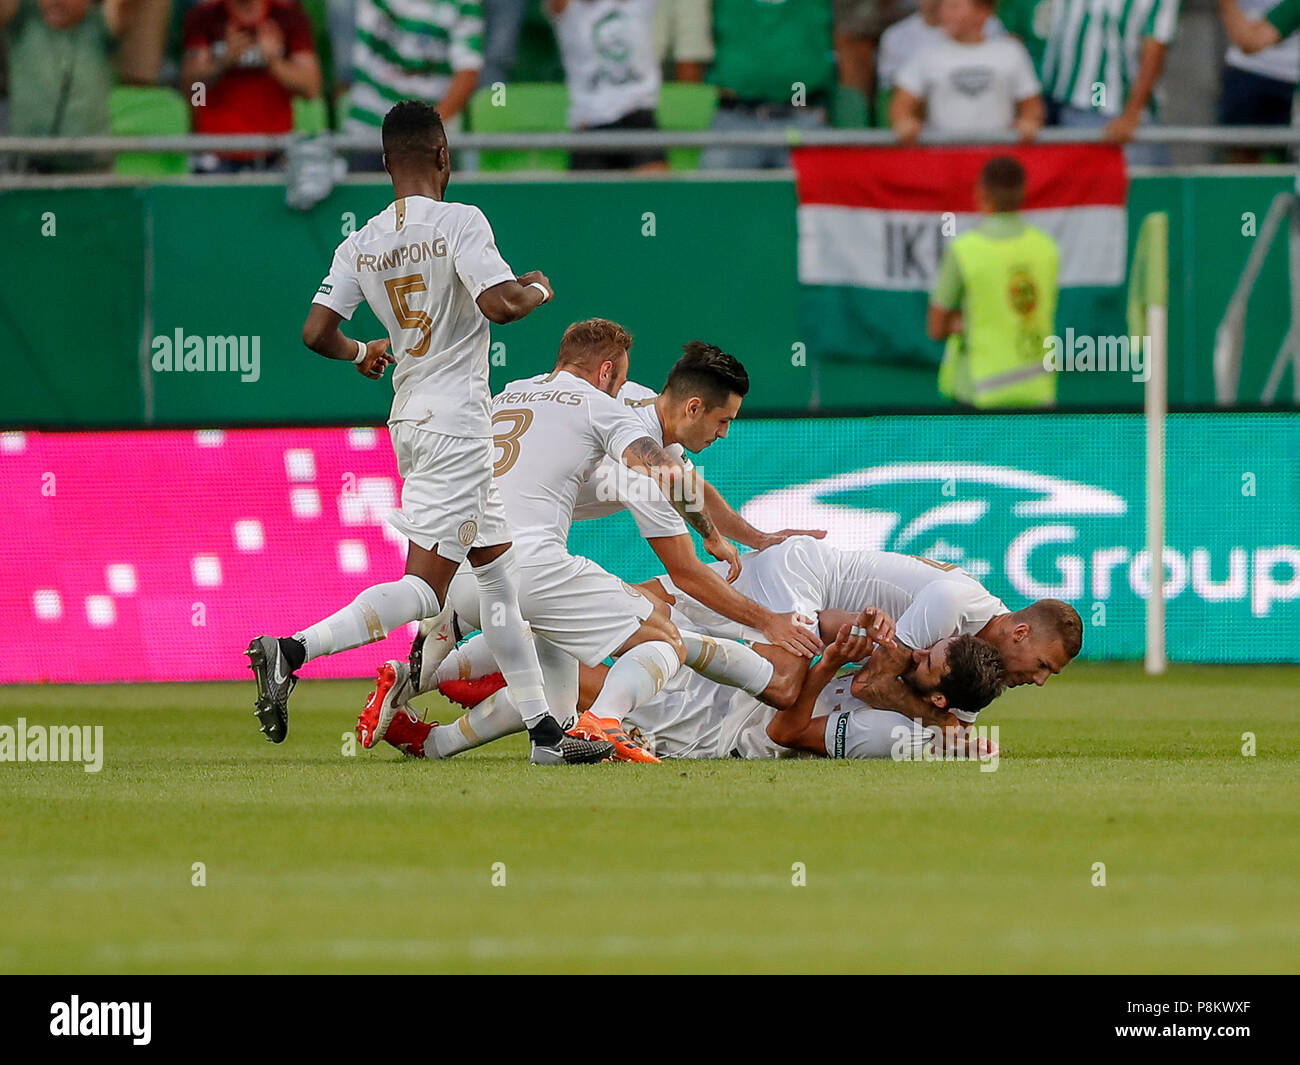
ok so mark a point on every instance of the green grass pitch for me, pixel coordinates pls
(316, 861)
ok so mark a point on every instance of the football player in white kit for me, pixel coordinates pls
(931, 600)
(553, 431)
(695, 718)
(432, 274)
(683, 417)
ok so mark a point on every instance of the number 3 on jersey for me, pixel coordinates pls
(510, 425)
(398, 289)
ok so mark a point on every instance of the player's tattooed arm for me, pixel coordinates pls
(321, 334)
(731, 525)
(679, 485)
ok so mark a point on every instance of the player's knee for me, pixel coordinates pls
(664, 629)
(674, 639)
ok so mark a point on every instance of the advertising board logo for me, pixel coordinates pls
(1027, 534)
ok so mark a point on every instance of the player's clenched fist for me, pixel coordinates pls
(854, 642)
(536, 277)
(377, 357)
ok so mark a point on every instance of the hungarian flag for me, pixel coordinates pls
(873, 224)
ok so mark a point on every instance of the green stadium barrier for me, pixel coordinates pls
(228, 260)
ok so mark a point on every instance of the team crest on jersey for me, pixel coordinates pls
(467, 531)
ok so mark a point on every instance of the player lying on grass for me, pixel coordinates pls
(693, 717)
(934, 601)
(931, 600)
(432, 274)
(553, 431)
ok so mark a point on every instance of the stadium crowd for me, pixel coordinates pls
(272, 66)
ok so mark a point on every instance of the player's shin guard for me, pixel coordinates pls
(635, 677)
(508, 638)
(469, 661)
(371, 616)
(494, 717)
(727, 662)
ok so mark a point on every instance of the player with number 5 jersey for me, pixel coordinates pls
(431, 272)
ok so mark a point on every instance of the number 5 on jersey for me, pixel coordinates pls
(398, 289)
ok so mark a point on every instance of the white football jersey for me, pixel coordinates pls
(693, 717)
(613, 487)
(421, 264)
(552, 431)
(929, 600)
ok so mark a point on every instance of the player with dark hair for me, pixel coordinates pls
(431, 272)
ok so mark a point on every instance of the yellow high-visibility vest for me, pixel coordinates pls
(1008, 310)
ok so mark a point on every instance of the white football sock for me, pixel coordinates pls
(494, 717)
(371, 616)
(727, 662)
(560, 678)
(635, 677)
(509, 638)
(469, 661)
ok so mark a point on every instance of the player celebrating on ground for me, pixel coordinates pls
(432, 274)
(694, 717)
(931, 600)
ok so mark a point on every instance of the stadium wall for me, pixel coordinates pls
(160, 553)
(671, 260)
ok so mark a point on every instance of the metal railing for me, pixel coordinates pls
(1221, 136)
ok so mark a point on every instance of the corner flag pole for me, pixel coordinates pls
(1148, 313)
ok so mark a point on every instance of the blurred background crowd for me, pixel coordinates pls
(95, 67)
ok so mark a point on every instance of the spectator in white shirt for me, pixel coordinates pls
(967, 82)
(612, 74)
(918, 31)
(684, 33)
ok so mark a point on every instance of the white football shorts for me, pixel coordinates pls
(450, 502)
(569, 601)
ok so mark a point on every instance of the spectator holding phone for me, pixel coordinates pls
(244, 62)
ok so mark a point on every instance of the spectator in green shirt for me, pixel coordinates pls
(774, 68)
(61, 55)
(1254, 35)
(1030, 20)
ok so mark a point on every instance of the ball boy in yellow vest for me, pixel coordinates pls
(994, 301)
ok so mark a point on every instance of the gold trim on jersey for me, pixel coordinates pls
(400, 208)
